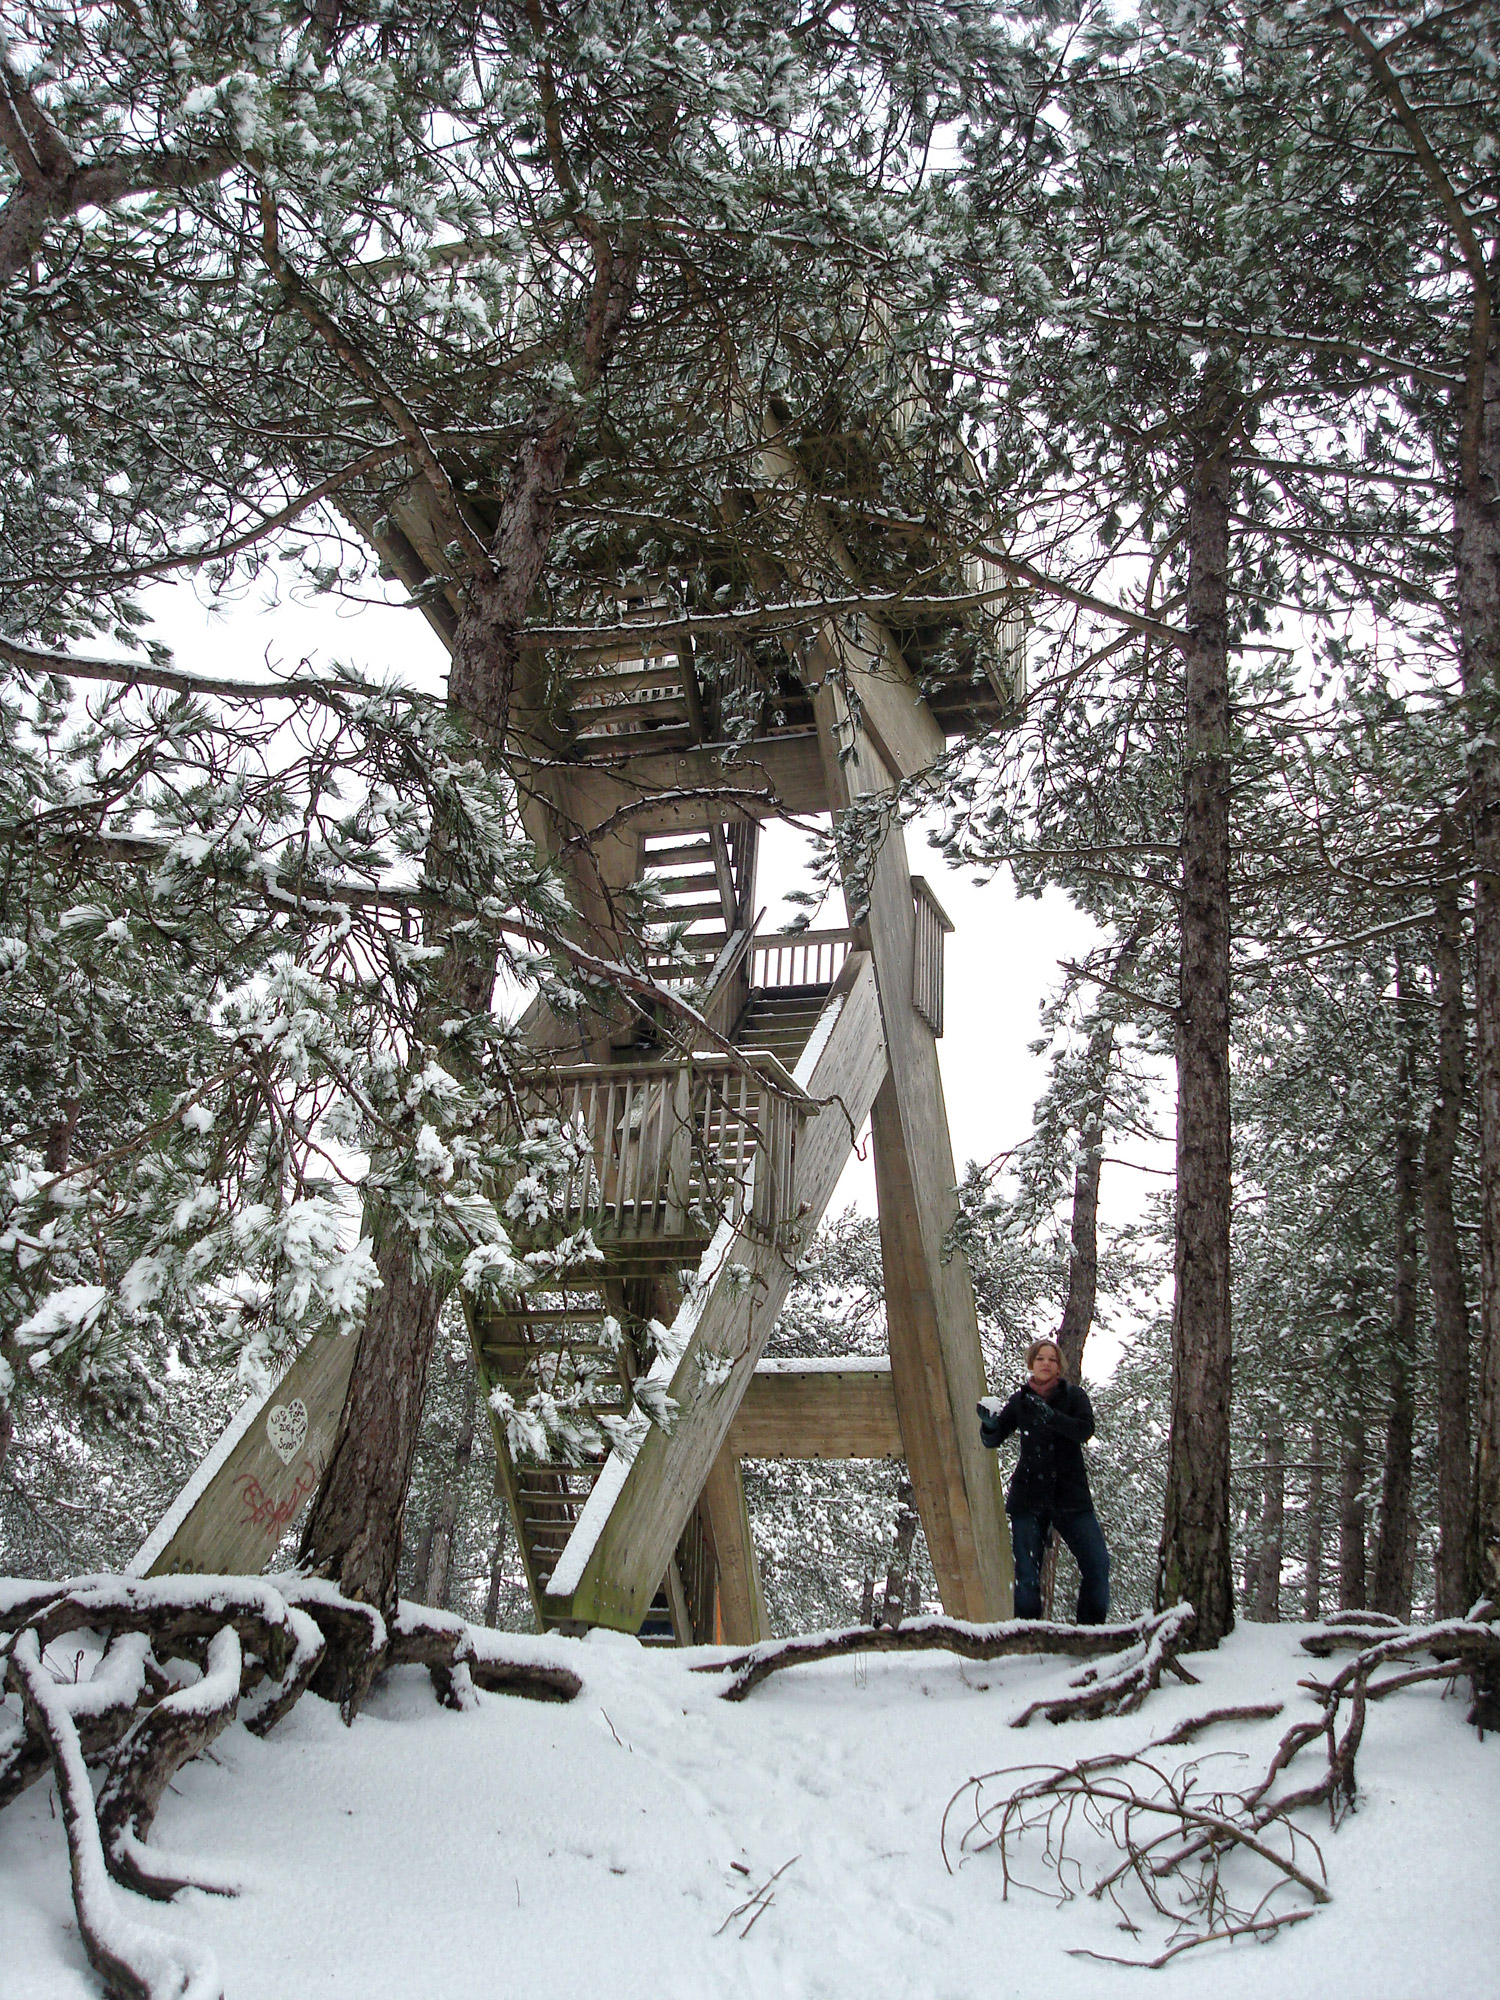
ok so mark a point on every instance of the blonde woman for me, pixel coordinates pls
(1050, 1485)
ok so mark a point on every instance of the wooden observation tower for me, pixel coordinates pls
(650, 760)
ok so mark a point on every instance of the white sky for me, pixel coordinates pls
(1002, 959)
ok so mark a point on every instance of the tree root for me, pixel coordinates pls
(259, 1647)
(1210, 1861)
(150, 1756)
(134, 1962)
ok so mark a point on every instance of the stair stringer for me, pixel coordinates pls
(632, 1521)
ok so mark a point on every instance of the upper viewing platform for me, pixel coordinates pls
(837, 519)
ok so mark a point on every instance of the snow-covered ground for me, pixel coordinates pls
(601, 1848)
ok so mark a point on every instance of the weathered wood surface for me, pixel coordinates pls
(635, 1515)
(692, 787)
(742, 1603)
(936, 1363)
(802, 1411)
(236, 1523)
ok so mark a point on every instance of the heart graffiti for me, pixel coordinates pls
(286, 1427)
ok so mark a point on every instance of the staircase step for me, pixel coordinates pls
(666, 708)
(667, 857)
(662, 675)
(682, 885)
(678, 912)
(638, 743)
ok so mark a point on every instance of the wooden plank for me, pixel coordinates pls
(817, 1412)
(936, 1362)
(742, 1602)
(271, 1461)
(782, 774)
(638, 1510)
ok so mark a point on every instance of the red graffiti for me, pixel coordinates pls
(264, 1511)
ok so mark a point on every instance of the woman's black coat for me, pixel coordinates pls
(1050, 1477)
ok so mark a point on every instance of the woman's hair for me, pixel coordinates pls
(1036, 1347)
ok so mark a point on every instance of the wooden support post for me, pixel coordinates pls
(936, 1363)
(742, 1604)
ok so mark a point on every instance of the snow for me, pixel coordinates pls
(827, 1364)
(601, 1846)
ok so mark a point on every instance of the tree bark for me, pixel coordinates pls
(423, 1562)
(907, 1523)
(1445, 1272)
(1393, 1539)
(497, 1553)
(1272, 1529)
(1195, 1561)
(1477, 539)
(353, 1530)
(1352, 1580)
(1312, 1570)
(445, 1514)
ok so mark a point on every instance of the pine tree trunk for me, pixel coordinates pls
(1083, 1251)
(445, 1514)
(1352, 1583)
(1272, 1530)
(1195, 1562)
(423, 1562)
(907, 1523)
(1312, 1571)
(1249, 1540)
(497, 1563)
(1445, 1271)
(1477, 539)
(1391, 1589)
(353, 1530)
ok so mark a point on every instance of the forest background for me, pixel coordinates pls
(1203, 301)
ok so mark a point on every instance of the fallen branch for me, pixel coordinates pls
(1123, 1686)
(1010, 1637)
(459, 1660)
(1174, 1831)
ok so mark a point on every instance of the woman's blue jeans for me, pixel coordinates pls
(1084, 1536)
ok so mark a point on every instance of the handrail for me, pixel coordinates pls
(796, 959)
(669, 1149)
(762, 1061)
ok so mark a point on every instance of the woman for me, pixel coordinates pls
(1050, 1485)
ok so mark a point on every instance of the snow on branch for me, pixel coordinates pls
(1145, 1646)
(134, 1961)
(258, 1646)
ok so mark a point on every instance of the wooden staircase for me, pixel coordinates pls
(691, 1166)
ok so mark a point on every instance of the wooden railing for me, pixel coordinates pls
(932, 925)
(794, 959)
(672, 1149)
